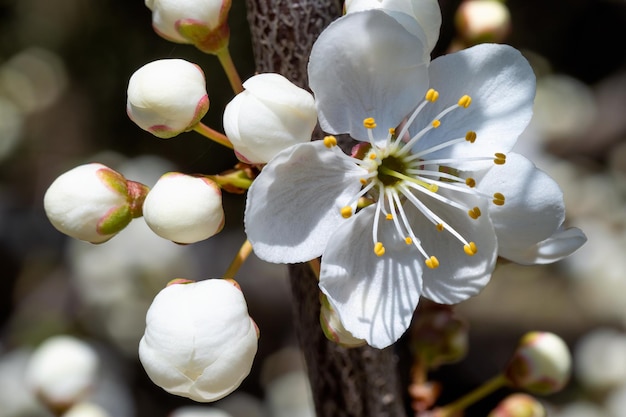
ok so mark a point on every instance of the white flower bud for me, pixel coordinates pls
(62, 371)
(200, 22)
(167, 97)
(198, 411)
(270, 115)
(92, 202)
(199, 341)
(541, 364)
(480, 21)
(183, 208)
(333, 328)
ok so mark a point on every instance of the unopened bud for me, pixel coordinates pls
(479, 21)
(333, 328)
(199, 22)
(438, 335)
(270, 115)
(184, 208)
(541, 364)
(167, 97)
(92, 202)
(519, 405)
(86, 409)
(62, 371)
(199, 341)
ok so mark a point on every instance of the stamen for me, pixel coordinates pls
(498, 199)
(432, 262)
(410, 120)
(330, 141)
(432, 95)
(500, 159)
(389, 216)
(346, 212)
(392, 131)
(408, 240)
(465, 101)
(369, 123)
(470, 249)
(474, 213)
(363, 181)
(440, 227)
(470, 182)
(470, 136)
(436, 124)
(379, 249)
(405, 221)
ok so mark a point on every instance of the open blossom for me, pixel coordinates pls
(270, 115)
(200, 341)
(431, 196)
(167, 97)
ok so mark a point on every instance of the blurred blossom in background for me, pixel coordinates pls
(64, 69)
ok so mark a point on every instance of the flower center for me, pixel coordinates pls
(397, 176)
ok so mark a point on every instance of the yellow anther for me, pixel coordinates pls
(373, 156)
(363, 181)
(436, 123)
(500, 159)
(470, 136)
(392, 131)
(408, 240)
(474, 213)
(470, 249)
(369, 123)
(465, 101)
(470, 182)
(498, 199)
(432, 95)
(330, 141)
(440, 227)
(346, 212)
(389, 216)
(379, 249)
(432, 262)
(432, 187)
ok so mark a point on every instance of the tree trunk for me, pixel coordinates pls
(360, 382)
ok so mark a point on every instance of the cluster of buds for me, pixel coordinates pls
(199, 341)
(519, 405)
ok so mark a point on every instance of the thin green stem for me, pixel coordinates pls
(472, 397)
(229, 68)
(212, 134)
(238, 260)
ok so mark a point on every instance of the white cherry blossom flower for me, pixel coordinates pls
(430, 197)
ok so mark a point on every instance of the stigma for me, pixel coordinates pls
(402, 175)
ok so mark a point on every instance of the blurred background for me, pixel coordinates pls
(64, 68)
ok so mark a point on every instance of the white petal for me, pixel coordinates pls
(458, 276)
(561, 244)
(374, 296)
(501, 84)
(366, 65)
(534, 208)
(294, 205)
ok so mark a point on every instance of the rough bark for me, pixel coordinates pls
(360, 382)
